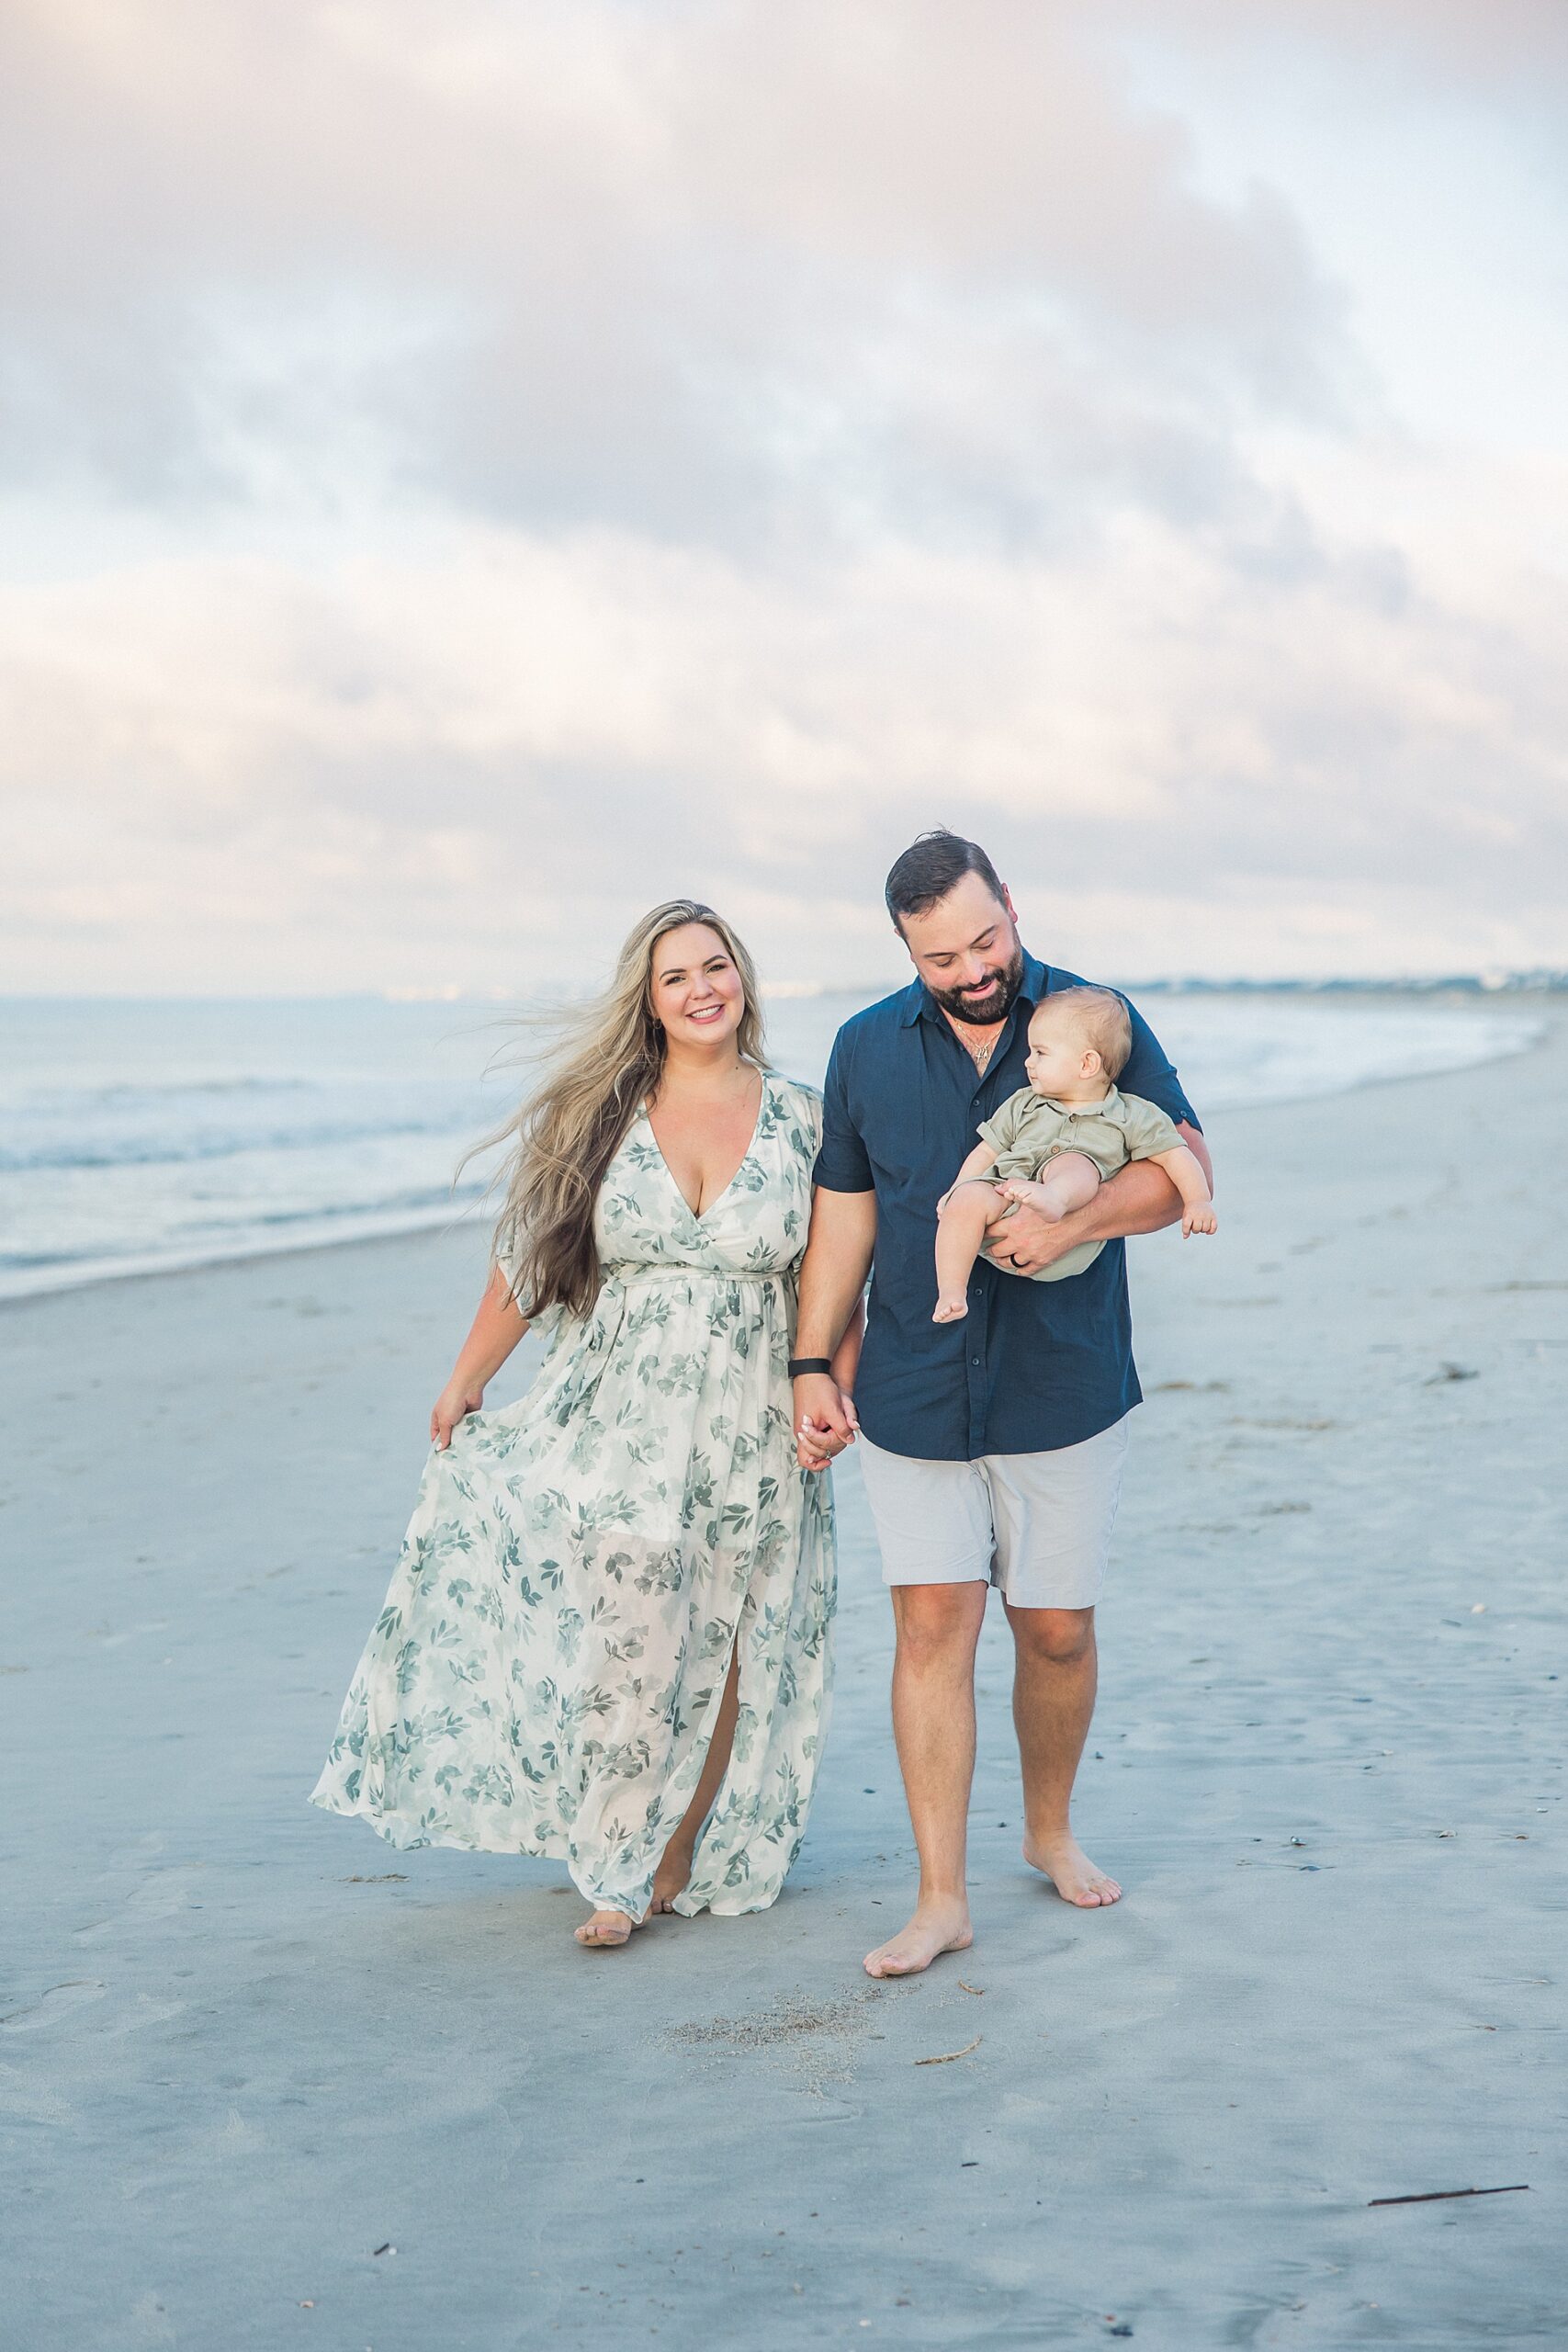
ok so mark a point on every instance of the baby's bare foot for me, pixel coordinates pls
(605, 1929)
(1076, 1879)
(951, 1310)
(936, 1927)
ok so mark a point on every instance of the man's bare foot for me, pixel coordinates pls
(671, 1876)
(951, 1310)
(1070, 1872)
(605, 1929)
(936, 1927)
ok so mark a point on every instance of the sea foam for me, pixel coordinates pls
(140, 1135)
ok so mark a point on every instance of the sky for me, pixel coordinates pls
(472, 470)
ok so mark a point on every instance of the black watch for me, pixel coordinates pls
(799, 1365)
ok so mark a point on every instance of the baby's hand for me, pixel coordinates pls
(1201, 1219)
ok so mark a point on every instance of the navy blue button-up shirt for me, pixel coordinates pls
(1033, 1365)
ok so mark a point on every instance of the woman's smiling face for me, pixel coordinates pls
(696, 991)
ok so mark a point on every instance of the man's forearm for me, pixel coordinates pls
(833, 1272)
(1140, 1198)
(827, 1296)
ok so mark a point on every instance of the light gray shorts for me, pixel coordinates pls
(1036, 1525)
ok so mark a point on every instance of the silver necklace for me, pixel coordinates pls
(981, 1054)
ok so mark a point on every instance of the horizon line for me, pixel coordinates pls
(1544, 979)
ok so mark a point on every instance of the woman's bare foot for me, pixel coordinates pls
(951, 1310)
(671, 1876)
(1075, 1877)
(936, 1927)
(605, 1929)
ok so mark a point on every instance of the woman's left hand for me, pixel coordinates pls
(816, 1443)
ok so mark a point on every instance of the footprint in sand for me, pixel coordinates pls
(53, 2007)
(29, 2102)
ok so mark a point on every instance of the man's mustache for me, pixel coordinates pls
(980, 1005)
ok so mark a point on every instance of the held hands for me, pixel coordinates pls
(455, 1402)
(825, 1421)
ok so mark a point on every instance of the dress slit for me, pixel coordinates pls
(573, 1556)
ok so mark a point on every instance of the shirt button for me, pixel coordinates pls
(975, 1362)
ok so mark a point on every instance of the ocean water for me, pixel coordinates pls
(137, 1135)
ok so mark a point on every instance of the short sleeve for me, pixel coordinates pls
(1149, 1074)
(843, 1164)
(1148, 1130)
(1000, 1131)
(807, 1106)
(506, 1253)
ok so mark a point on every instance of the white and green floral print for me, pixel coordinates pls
(547, 1671)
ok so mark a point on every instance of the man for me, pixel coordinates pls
(991, 1447)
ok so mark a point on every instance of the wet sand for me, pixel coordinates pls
(244, 2045)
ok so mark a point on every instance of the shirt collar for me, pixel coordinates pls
(1102, 1109)
(918, 998)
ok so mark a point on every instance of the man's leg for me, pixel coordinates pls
(936, 1627)
(1053, 1702)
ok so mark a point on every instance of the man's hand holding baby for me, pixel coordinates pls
(1028, 1241)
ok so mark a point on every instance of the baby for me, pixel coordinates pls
(1051, 1145)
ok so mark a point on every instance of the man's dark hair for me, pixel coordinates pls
(931, 867)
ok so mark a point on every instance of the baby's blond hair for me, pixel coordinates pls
(1100, 1018)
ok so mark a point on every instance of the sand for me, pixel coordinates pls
(266, 2083)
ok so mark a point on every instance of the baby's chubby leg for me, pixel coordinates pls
(965, 1217)
(1069, 1181)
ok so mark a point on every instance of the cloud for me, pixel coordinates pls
(498, 469)
(1509, 48)
(719, 271)
(438, 770)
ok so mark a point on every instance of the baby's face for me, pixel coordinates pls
(1057, 1052)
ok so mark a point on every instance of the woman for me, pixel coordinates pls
(607, 1636)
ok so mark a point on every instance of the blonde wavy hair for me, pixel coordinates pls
(605, 1061)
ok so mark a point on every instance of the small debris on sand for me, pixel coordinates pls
(946, 2057)
(1438, 2195)
(815, 2038)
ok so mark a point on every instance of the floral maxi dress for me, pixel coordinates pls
(545, 1676)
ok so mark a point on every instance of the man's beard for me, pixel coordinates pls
(984, 1012)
